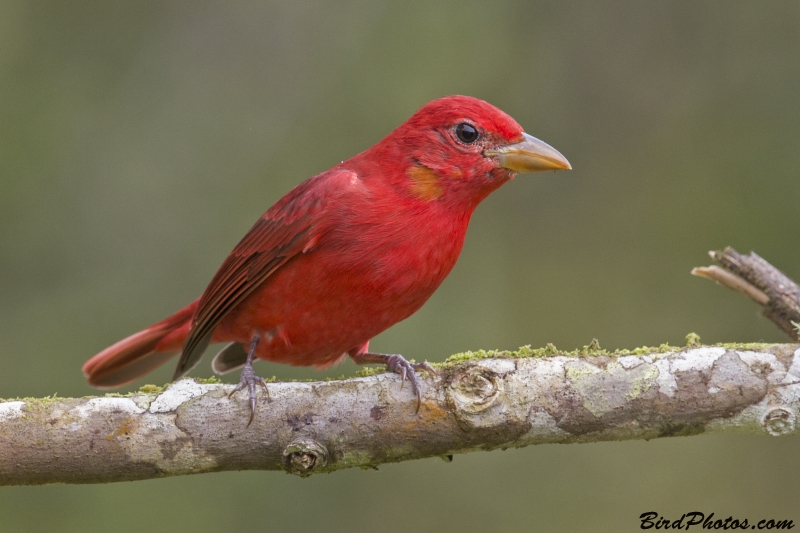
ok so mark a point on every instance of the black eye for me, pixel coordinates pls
(466, 133)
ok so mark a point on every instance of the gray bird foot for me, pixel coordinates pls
(398, 364)
(250, 380)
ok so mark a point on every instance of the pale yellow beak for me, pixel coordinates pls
(529, 155)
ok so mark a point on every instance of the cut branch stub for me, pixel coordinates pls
(303, 456)
(779, 421)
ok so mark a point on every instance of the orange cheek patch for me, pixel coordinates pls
(424, 183)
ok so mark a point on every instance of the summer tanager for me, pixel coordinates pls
(345, 254)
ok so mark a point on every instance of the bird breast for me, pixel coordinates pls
(404, 254)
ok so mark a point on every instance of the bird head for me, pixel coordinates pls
(458, 149)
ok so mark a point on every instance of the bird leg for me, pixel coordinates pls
(396, 363)
(249, 379)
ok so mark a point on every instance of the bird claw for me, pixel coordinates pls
(407, 371)
(250, 380)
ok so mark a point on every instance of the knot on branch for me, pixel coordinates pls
(475, 389)
(303, 456)
(779, 421)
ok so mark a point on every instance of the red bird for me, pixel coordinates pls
(345, 254)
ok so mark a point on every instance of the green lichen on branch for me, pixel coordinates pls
(525, 351)
(592, 349)
(478, 405)
(692, 340)
(213, 380)
(47, 400)
(368, 371)
(152, 389)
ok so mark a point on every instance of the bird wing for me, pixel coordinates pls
(291, 226)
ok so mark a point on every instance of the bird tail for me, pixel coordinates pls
(135, 356)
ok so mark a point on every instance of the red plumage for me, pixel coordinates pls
(347, 253)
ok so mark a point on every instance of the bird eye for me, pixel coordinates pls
(466, 133)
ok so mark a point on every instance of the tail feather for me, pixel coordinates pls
(136, 355)
(230, 358)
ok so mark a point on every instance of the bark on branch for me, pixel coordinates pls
(479, 401)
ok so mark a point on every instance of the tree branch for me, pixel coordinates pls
(761, 282)
(479, 401)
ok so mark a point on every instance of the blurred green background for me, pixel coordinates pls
(139, 141)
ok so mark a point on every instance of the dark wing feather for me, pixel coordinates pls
(280, 234)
